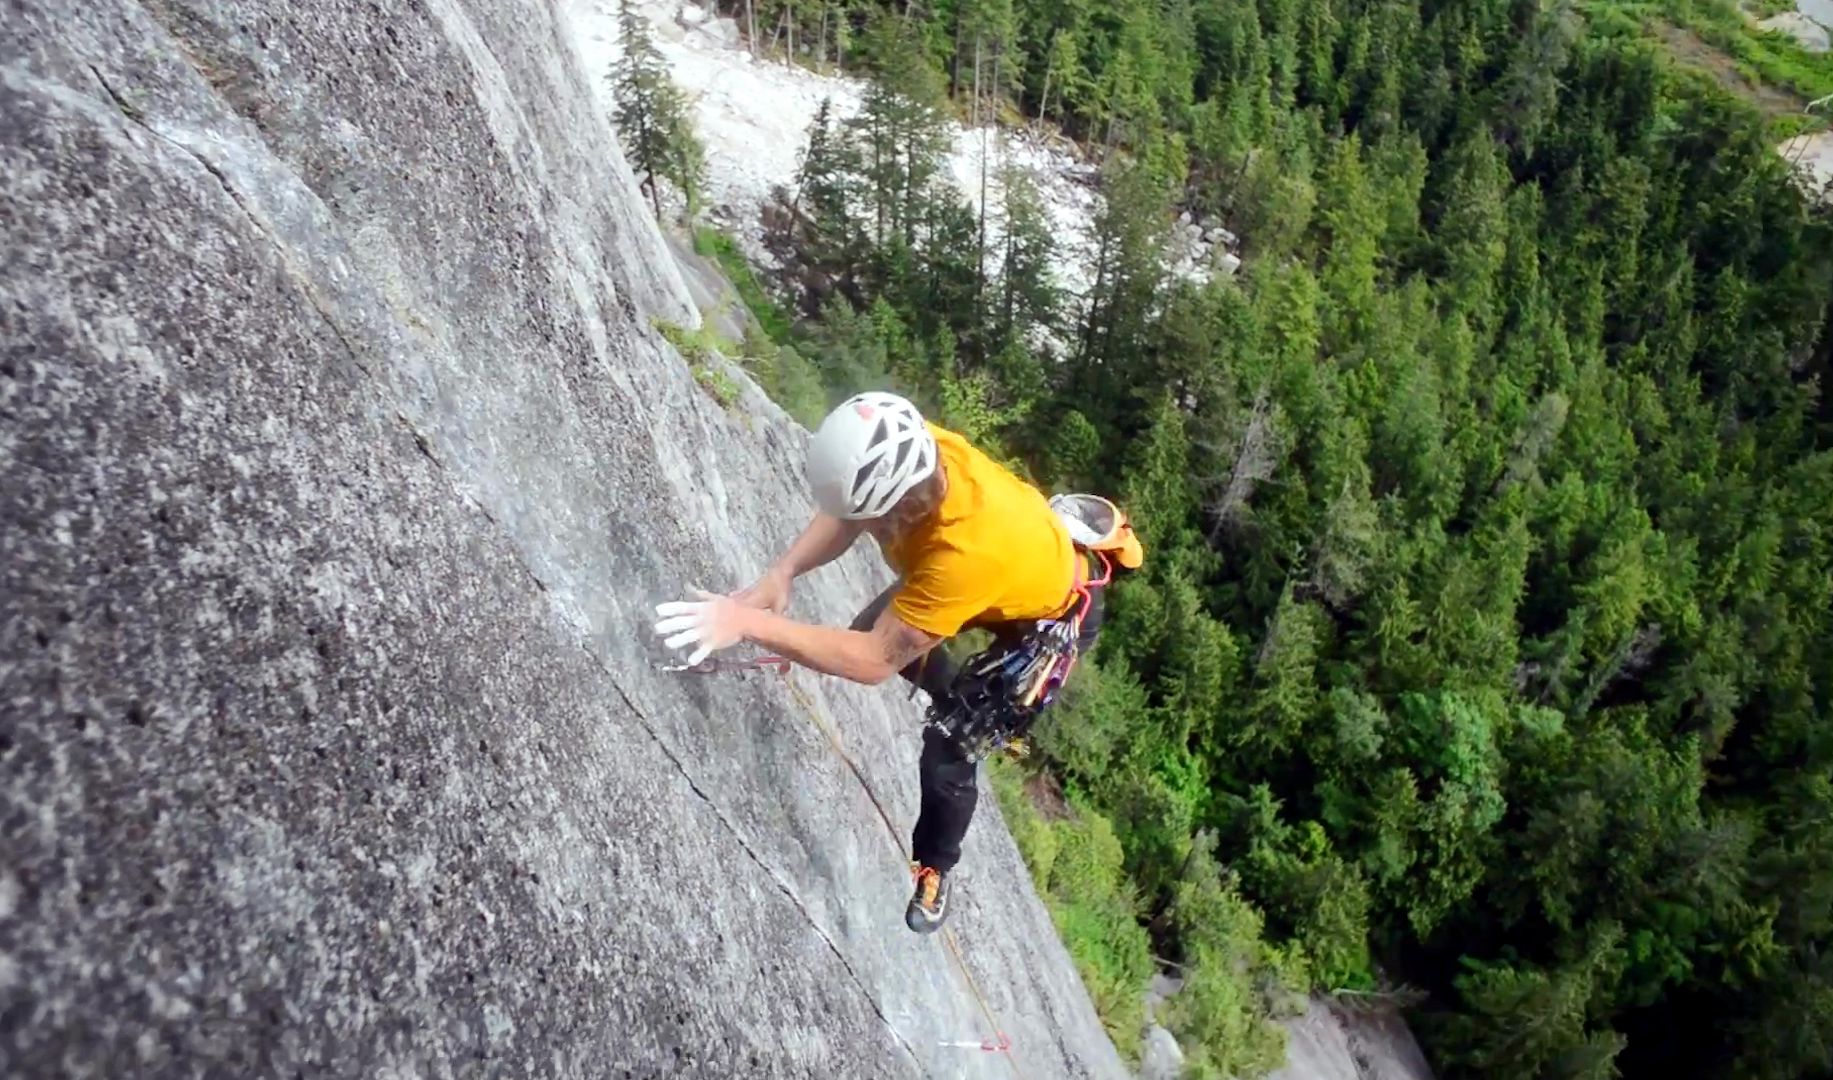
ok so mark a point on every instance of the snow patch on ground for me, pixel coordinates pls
(753, 115)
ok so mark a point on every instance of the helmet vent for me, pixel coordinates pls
(864, 477)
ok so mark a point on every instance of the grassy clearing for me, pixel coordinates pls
(1692, 50)
(1769, 69)
(703, 349)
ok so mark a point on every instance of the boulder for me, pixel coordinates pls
(1811, 35)
(1160, 1057)
(724, 33)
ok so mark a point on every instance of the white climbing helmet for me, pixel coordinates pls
(867, 454)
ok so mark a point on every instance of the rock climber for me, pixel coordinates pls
(973, 546)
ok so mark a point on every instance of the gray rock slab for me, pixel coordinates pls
(720, 306)
(1330, 1042)
(1160, 1057)
(1811, 35)
(340, 470)
(1821, 11)
(1812, 157)
(724, 32)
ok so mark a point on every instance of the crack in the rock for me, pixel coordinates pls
(137, 117)
(745, 845)
(649, 728)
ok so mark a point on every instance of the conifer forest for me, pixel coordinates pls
(1482, 660)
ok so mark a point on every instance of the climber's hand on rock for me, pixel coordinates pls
(768, 593)
(708, 624)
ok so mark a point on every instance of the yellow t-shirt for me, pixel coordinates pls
(995, 552)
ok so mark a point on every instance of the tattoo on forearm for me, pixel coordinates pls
(905, 644)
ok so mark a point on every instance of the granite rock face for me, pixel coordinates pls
(1331, 1041)
(340, 470)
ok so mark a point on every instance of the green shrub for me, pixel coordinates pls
(1078, 869)
(1085, 731)
(1036, 840)
(703, 349)
(1093, 905)
(717, 383)
(790, 380)
(719, 247)
(1234, 981)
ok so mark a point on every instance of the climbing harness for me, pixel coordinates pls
(1000, 692)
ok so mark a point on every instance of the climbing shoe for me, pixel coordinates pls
(929, 902)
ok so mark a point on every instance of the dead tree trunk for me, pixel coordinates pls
(1254, 461)
(980, 243)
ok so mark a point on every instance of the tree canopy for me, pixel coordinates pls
(1485, 641)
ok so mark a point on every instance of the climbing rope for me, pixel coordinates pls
(897, 841)
(1082, 601)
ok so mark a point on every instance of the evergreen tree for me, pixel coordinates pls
(1486, 615)
(1128, 268)
(1063, 76)
(1028, 296)
(1471, 226)
(900, 133)
(1529, 90)
(1351, 220)
(652, 116)
(826, 178)
(1526, 1022)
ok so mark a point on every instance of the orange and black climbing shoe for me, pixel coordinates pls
(929, 902)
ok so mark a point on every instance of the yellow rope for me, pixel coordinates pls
(897, 840)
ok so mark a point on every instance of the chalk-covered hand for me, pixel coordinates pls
(707, 625)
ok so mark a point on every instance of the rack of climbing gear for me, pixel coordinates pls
(999, 693)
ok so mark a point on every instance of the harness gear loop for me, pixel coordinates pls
(999, 693)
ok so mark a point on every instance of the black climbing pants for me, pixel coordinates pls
(949, 780)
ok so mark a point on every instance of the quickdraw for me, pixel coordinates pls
(714, 665)
(998, 1044)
